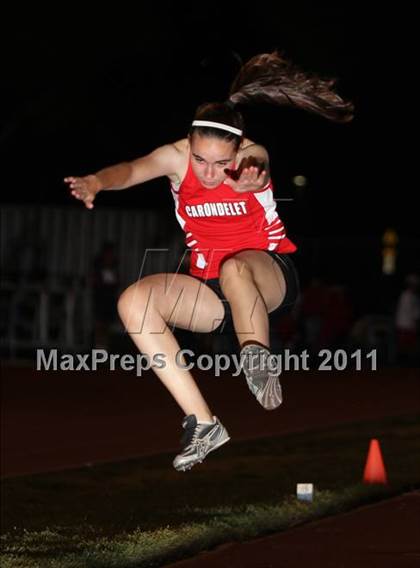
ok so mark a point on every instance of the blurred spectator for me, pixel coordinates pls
(407, 318)
(326, 316)
(105, 294)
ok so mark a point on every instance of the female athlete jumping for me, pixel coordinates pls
(240, 269)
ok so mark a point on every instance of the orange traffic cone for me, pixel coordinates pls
(374, 468)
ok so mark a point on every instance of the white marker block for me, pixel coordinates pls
(305, 491)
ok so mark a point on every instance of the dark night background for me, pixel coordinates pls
(82, 92)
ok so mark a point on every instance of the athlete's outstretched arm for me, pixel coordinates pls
(162, 161)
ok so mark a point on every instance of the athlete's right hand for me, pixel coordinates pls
(84, 188)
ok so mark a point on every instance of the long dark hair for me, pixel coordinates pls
(270, 78)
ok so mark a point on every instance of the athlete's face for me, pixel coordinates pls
(210, 157)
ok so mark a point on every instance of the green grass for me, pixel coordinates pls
(142, 512)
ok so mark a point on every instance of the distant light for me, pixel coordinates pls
(390, 238)
(300, 181)
(389, 251)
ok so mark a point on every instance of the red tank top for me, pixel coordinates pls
(219, 222)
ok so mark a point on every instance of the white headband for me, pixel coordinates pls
(218, 125)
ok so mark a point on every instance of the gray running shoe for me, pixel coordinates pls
(262, 381)
(199, 440)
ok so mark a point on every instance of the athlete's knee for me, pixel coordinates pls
(232, 269)
(136, 297)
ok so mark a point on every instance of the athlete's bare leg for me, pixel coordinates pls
(150, 307)
(254, 286)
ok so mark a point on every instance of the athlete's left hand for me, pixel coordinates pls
(250, 175)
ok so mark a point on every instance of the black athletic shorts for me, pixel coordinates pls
(292, 291)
